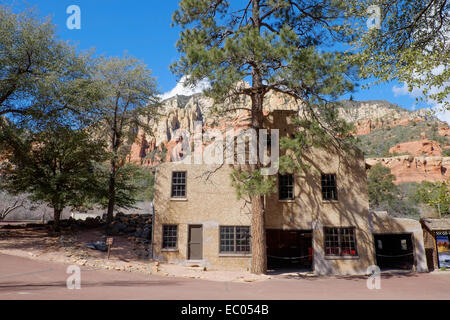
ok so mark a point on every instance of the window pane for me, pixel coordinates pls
(286, 186)
(329, 187)
(226, 239)
(332, 241)
(243, 239)
(340, 241)
(234, 239)
(178, 184)
(170, 236)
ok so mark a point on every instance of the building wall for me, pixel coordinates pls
(381, 223)
(213, 203)
(309, 212)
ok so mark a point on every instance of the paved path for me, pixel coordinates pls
(22, 278)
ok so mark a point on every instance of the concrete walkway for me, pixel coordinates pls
(22, 278)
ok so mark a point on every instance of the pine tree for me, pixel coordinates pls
(273, 45)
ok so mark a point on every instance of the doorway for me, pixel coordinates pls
(394, 251)
(289, 249)
(195, 242)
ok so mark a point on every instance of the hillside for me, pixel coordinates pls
(385, 129)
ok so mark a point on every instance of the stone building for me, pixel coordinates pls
(318, 220)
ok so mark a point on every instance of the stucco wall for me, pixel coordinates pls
(213, 202)
(381, 223)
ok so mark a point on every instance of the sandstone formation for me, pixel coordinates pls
(415, 169)
(168, 143)
(418, 148)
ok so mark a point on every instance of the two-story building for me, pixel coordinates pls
(317, 220)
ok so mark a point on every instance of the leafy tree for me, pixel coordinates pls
(133, 183)
(435, 194)
(380, 185)
(40, 75)
(56, 166)
(411, 45)
(129, 102)
(273, 45)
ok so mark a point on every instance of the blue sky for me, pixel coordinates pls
(143, 29)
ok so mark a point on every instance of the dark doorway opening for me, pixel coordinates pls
(289, 249)
(394, 251)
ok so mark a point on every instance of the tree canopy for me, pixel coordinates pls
(40, 75)
(56, 165)
(410, 44)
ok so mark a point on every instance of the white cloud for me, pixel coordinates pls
(441, 113)
(180, 89)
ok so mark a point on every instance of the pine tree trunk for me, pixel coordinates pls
(56, 218)
(259, 251)
(258, 228)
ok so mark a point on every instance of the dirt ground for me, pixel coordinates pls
(70, 248)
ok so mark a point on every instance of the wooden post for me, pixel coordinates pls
(109, 242)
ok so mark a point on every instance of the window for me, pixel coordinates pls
(234, 239)
(340, 242)
(329, 187)
(286, 186)
(179, 184)
(404, 244)
(170, 236)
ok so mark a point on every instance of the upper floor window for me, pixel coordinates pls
(286, 186)
(329, 187)
(179, 184)
(340, 242)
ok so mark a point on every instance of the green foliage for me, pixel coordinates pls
(446, 152)
(384, 195)
(56, 165)
(274, 45)
(411, 45)
(380, 185)
(435, 194)
(378, 142)
(250, 183)
(132, 184)
(41, 76)
(129, 102)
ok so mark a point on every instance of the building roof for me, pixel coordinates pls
(437, 224)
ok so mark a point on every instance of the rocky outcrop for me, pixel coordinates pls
(366, 126)
(415, 169)
(418, 148)
(182, 112)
